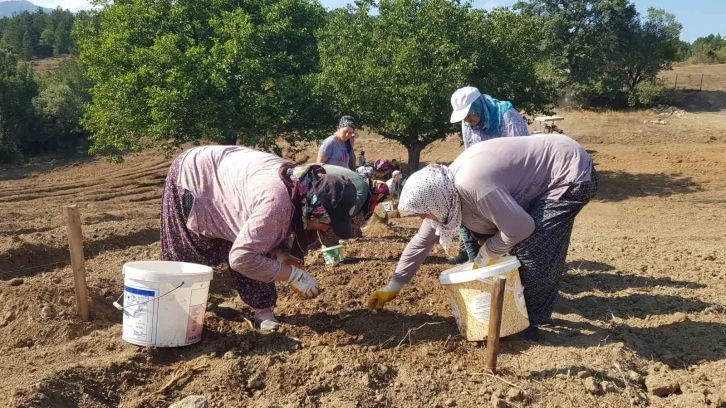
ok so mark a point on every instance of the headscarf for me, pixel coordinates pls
(490, 111)
(382, 165)
(366, 171)
(431, 190)
(308, 207)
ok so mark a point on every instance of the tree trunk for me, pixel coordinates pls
(414, 158)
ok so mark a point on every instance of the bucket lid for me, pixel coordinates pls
(326, 249)
(465, 273)
(168, 271)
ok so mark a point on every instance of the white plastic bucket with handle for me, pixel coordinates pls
(469, 293)
(164, 302)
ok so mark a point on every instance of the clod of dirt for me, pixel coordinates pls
(16, 282)
(515, 395)
(450, 402)
(497, 402)
(46, 312)
(229, 355)
(607, 386)
(366, 380)
(394, 214)
(193, 401)
(635, 377)
(583, 374)
(661, 386)
(255, 382)
(335, 368)
(591, 386)
(383, 369)
(7, 318)
(693, 399)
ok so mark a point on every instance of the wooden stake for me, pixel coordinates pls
(78, 262)
(700, 87)
(495, 322)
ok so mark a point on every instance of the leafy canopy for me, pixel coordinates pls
(186, 70)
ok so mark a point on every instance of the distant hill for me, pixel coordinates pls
(8, 8)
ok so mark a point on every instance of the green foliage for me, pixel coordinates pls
(60, 104)
(709, 50)
(17, 89)
(605, 46)
(220, 70)
(653, 92)
(396, 70)
(39, 34)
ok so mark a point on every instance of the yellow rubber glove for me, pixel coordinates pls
(384, 295)
(482, 259)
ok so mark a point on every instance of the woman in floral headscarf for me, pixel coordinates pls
(516, 195)
(257, 212)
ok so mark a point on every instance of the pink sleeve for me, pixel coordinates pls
(265, 230)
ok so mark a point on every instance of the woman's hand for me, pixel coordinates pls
(384, 295)
(303, 283)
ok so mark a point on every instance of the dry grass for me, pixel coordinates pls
(689, 76)
(44, 65)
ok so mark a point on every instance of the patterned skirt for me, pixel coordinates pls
(180, 244)
(543, 254)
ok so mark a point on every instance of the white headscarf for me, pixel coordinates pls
(431, 190)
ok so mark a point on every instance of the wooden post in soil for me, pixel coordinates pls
(495, 322)
(78, 262)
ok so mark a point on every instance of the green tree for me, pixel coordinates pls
(27, 46)
(652, 47)
(17, 120)
(706, 49)
(396, 70)
(184, 70)
(60, 105)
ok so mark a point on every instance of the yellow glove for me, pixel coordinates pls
(482, 259)
(384, 295)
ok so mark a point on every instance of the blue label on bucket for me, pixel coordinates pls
(140, 307)
(140, 292)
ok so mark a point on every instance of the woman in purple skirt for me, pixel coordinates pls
(257, 212)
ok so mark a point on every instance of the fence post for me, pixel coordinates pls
(700, 87)
(675, 86)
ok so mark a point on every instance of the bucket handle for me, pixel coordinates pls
(118, 306)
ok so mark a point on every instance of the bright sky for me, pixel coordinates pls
(698, 17)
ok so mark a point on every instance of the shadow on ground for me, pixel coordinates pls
(619, 185)
(30, 259)
(703, 101)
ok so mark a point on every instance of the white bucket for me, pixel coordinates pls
(164, 302)
(469, 293)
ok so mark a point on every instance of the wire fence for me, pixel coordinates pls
(695, 81)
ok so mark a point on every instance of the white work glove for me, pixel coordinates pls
(482, 259)
(303, 283)
(384, 295)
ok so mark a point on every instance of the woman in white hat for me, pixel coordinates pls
(482, 118)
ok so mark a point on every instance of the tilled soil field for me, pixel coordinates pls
(641, 321)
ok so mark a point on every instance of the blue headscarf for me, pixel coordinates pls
(490, 111)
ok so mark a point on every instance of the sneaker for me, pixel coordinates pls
(463, 257)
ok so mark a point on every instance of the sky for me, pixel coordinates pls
(698, 17)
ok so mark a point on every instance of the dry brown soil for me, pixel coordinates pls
(645, 297)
